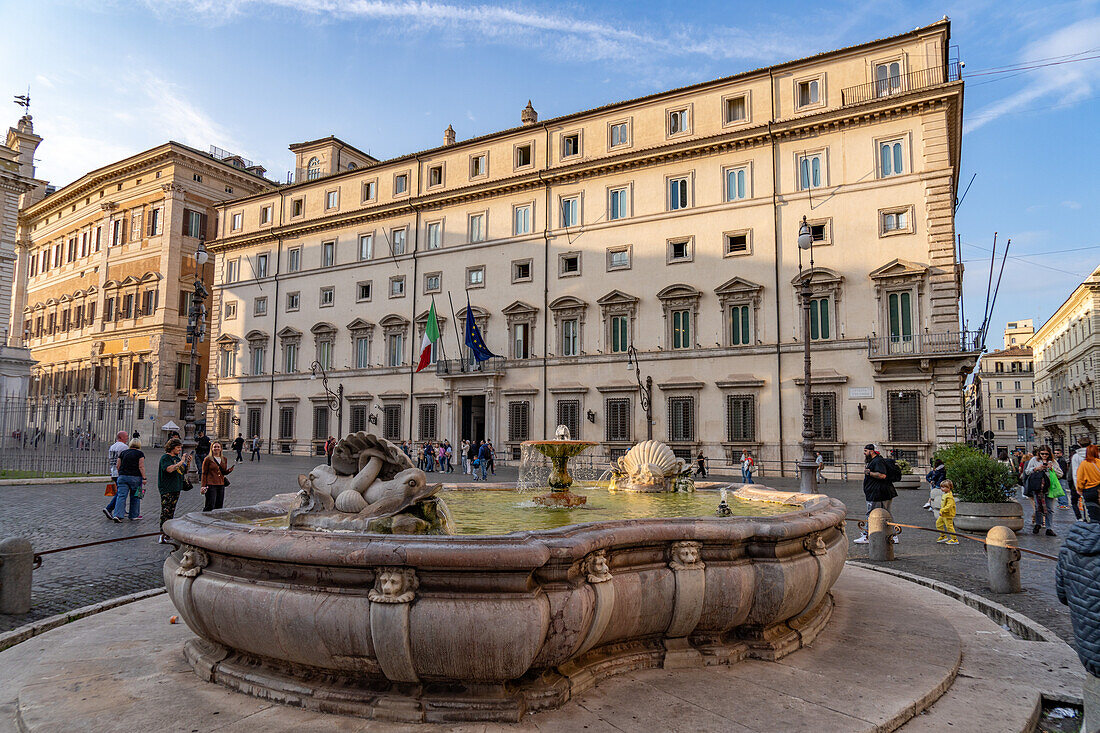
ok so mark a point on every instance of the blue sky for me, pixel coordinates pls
(111, 78)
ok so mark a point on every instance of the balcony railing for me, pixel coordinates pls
(900, 84)
(924, 344)
(468, 365)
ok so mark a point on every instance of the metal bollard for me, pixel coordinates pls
(1004, 560)
(16, 566)
(880, 535)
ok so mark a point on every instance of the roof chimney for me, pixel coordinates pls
(528, 116)
(449, 136)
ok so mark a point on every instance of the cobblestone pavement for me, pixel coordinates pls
(53, 516)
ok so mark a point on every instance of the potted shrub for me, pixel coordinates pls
(985, 490)
(909, 480)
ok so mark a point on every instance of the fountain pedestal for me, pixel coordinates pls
(559, 452)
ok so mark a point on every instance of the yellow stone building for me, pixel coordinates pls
(667, 224)
(104, 269)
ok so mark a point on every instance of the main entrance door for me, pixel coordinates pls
(473, 417)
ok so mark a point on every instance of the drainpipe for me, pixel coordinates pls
(275, 330)
(412, 320)
(778, 247)
(545, 288)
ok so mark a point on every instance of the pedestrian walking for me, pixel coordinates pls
(131, 481)
(120, 444)
(1080, 455)
(202, 446)
(945, 521)
(256, 443)
(448, 456)
(819, 460)
(746, 467)
(1067, 479)
(934, 478)
(213, 478)
(878, 489)
(1077, 583)
(330, 447)
(471, 456)
(484, 457)
(1043, 487)
(1088, 483)
(492, 457)
(701, 465)
(170, 481)
(238, 445)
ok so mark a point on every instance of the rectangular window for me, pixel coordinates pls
(520, 336)
(399, 237)
(900, 309)
(293, 301)
(362, 352)
(435, 236)
(182, 370)
(570, 145)
(887, 78)
(328, 296)
(681, 329)
(397, 286)
(156, 222)
(232, 270)
(97, 239)
(620, 334)
(328, 254)
(255, 417)
(736, 109)
(358, 419)
(428, 422)
(391, 422)
(895, 221)
(394, 349)
(570, 209)
(259, 356)
(320, 422)
(194, 224)
(809, 92)
(1000, 403)
(259, 307)
(740, 333)
(230, 311)
(148, 302)
(677, 121)
(238, 222)
(903, 416)
(286, 423)
(479, 165)
(294, 259)
(228, 364)
(569, 264)
(569, 415)
(432, 282)
(740, 418)
(1000, 424)
(477, 227)
(677, 193)
(475, 276)
(524, 156)
(620, 134)
(824, 411)
(116, 233)
(435, 176)
(618, 258)
(617, 204)
(261, 266)
(811, 171)
(570, 333)
(891, 158)
(681, 419)
(400, 184)
(521, 271)
(617, 424)
(679, 250)
(265, 215)
(369, 190)
(366, 247)
(363, 291)
(332, 199)
(136, 226)
(297, 207)
(291, 360)
(820, 319)
(324, 354)
(519, 423)
(737, 183)
(521, 220)
(737, 243)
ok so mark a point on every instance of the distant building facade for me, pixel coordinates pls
(1067, 359)
(1001, 399)
(105, 271)
(1017, 333)
(666, 224)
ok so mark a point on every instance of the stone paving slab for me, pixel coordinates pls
(874, 666)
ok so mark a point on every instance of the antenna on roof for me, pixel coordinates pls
(24, 101)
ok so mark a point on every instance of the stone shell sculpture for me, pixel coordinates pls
(371, 486)
(650, 466)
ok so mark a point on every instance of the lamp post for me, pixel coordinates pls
(645, 391)
(807, 465)
(196, 332)
(335, 399)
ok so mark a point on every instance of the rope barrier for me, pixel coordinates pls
(97, 542)
(1043, 555)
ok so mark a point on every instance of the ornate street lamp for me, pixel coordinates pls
(807, 465)
(196, 332)
(335, 399)
(645, 391)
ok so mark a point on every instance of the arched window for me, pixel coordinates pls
(352, 166)
(313, 169)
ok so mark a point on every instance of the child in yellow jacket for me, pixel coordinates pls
(946, 519)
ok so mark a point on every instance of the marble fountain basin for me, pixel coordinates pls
(490, 627)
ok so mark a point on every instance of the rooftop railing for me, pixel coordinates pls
(900, 84)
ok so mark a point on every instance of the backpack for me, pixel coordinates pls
(1038, 484)
(893, 471)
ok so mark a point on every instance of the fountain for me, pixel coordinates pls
(351, 597)
(559, 451)
(651, 467)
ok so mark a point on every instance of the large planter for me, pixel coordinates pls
(466, 627)
(974, 517)
(908, 481)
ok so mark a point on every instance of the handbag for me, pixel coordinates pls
(187, 485)
(111, 489)
(1055, 489)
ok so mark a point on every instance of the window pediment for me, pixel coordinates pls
(422, 319)
(679, 291)
(321, 329)
(392, 321)
(519, 309)
(255, 335)
(566, 301)
(289, 333)
(617, 297)
(899, 268)
(226, 340)
(151, 276)
(360, 327)
(480, 314)
(820, 275)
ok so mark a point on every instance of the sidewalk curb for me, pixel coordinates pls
(1019, 624)
(31, 630)
(57, 480)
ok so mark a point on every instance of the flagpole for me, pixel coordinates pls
(461, 366)
(441, 346)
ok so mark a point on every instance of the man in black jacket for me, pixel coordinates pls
(877, 488)
(1077, 581)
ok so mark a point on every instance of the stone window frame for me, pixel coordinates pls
(481, 319)
(257, 302)
(515, 155)
(629, 188)
(689, 120)
(822, 97)
(485, 172)
(629, 122)
(368, 190)
(579, 153)
(732, 233)
(677, 297)
(905, 209)
(746, 94)
(357, 329)
(530, 216)
(394, 324)
(568, 308)
(473, 268)
(826, 223)
(256, 339)
(324, 332)
(331, 289)
(689, 240)
(298, 300)
(484, 214)
(441, 223)
(628, 248)
(562, 256)
(228, 348)
(519, 313)
(389, 288)
(825, 283)
(407, 174)
(899, 276)
(441, 166)
(438, 274)
(617, 303)
(328, 194)
(737, 292)
(421, 325)
(358, 290)
(530, 270)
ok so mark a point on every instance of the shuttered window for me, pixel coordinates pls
(569, 415)
(286, 423)
(681, 419)
(429, 421)
(740, 418)
(618, 419)
(254, 417)
(904, 416)
(824, 405)
(519, 422)
(194, 223)
(320, 422)
(358, 418)
(391, 422)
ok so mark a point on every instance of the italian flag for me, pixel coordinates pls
(431, 335)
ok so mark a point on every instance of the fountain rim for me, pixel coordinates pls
(560, 442)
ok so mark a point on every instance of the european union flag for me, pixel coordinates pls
(473, 336)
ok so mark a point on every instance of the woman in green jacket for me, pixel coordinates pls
(170, 480)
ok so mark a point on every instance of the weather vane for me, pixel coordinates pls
(24, 101)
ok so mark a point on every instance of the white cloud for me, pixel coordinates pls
(1062, 84)
(1071, 204)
